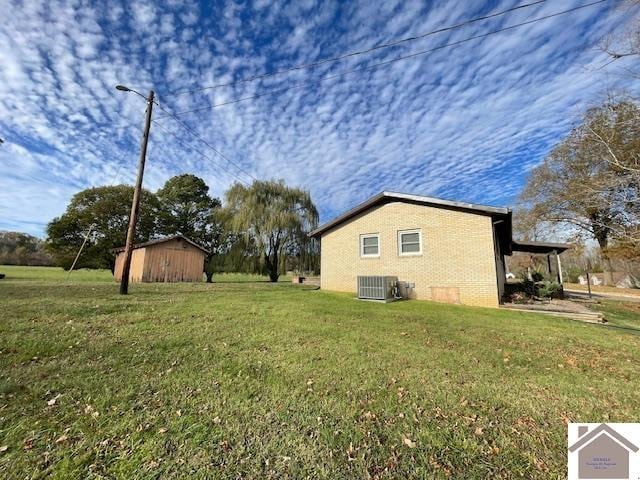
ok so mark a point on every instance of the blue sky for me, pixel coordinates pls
(466, 123)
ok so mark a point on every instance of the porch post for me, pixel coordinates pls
(560, 280)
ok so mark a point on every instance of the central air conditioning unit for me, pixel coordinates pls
(381, 288)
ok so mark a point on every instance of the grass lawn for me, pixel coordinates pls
(257, 380)
(620, 314)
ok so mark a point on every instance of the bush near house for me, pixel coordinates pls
(527, 290)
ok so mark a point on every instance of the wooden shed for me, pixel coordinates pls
(169, 259)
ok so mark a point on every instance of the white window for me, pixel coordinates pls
(409, 242)
(370, 245)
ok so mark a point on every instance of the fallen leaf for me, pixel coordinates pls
(62, 438)
(540, 465)
(369, 416)
(53, 401)
(350, 452)
(162, 430)
(4, 448)
(571, 361)
(478, 431)
(408, 442)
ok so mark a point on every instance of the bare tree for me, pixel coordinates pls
(590, 180)
(625, 43)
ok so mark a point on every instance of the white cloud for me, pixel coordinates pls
(467, 122)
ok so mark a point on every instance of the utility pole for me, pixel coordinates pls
(135, 206)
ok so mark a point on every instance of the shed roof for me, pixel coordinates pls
(164, 240)
(386, 197)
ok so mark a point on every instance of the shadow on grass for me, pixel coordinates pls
(632, 330)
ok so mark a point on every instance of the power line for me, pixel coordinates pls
(387, 62)
(199, 137)
(190, 146)
(361, 52)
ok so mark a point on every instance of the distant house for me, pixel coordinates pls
(620, 279)
(439, 249)
(170, 259)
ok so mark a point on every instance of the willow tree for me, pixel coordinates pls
(273, 216)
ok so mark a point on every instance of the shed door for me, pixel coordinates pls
(166, 267)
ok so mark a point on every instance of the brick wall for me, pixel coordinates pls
(457, 251)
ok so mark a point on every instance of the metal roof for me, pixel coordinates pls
(539, 247)
(385, 197)
(163, 240)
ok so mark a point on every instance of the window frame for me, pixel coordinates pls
(369, 235)
(409, 231)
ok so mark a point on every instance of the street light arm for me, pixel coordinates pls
(124, 88)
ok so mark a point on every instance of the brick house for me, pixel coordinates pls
(439, 249)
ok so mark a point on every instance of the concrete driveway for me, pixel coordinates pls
(579, 294)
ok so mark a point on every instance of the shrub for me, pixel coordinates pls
(549, 289)
(520, 297)
(537, 276)
(529, 287)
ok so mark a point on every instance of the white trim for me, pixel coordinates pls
(369, 235)
(410, 254)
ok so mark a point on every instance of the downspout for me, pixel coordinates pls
(498, 257)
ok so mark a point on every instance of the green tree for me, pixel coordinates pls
(104, 211)
(186, 208)
(273, 216)
(189, 210)
(590, 181)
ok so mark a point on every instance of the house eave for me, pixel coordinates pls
(387, 196)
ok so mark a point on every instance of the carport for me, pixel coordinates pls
(544, 248)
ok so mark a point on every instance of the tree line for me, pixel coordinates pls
(22, 249)
(262, 228)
